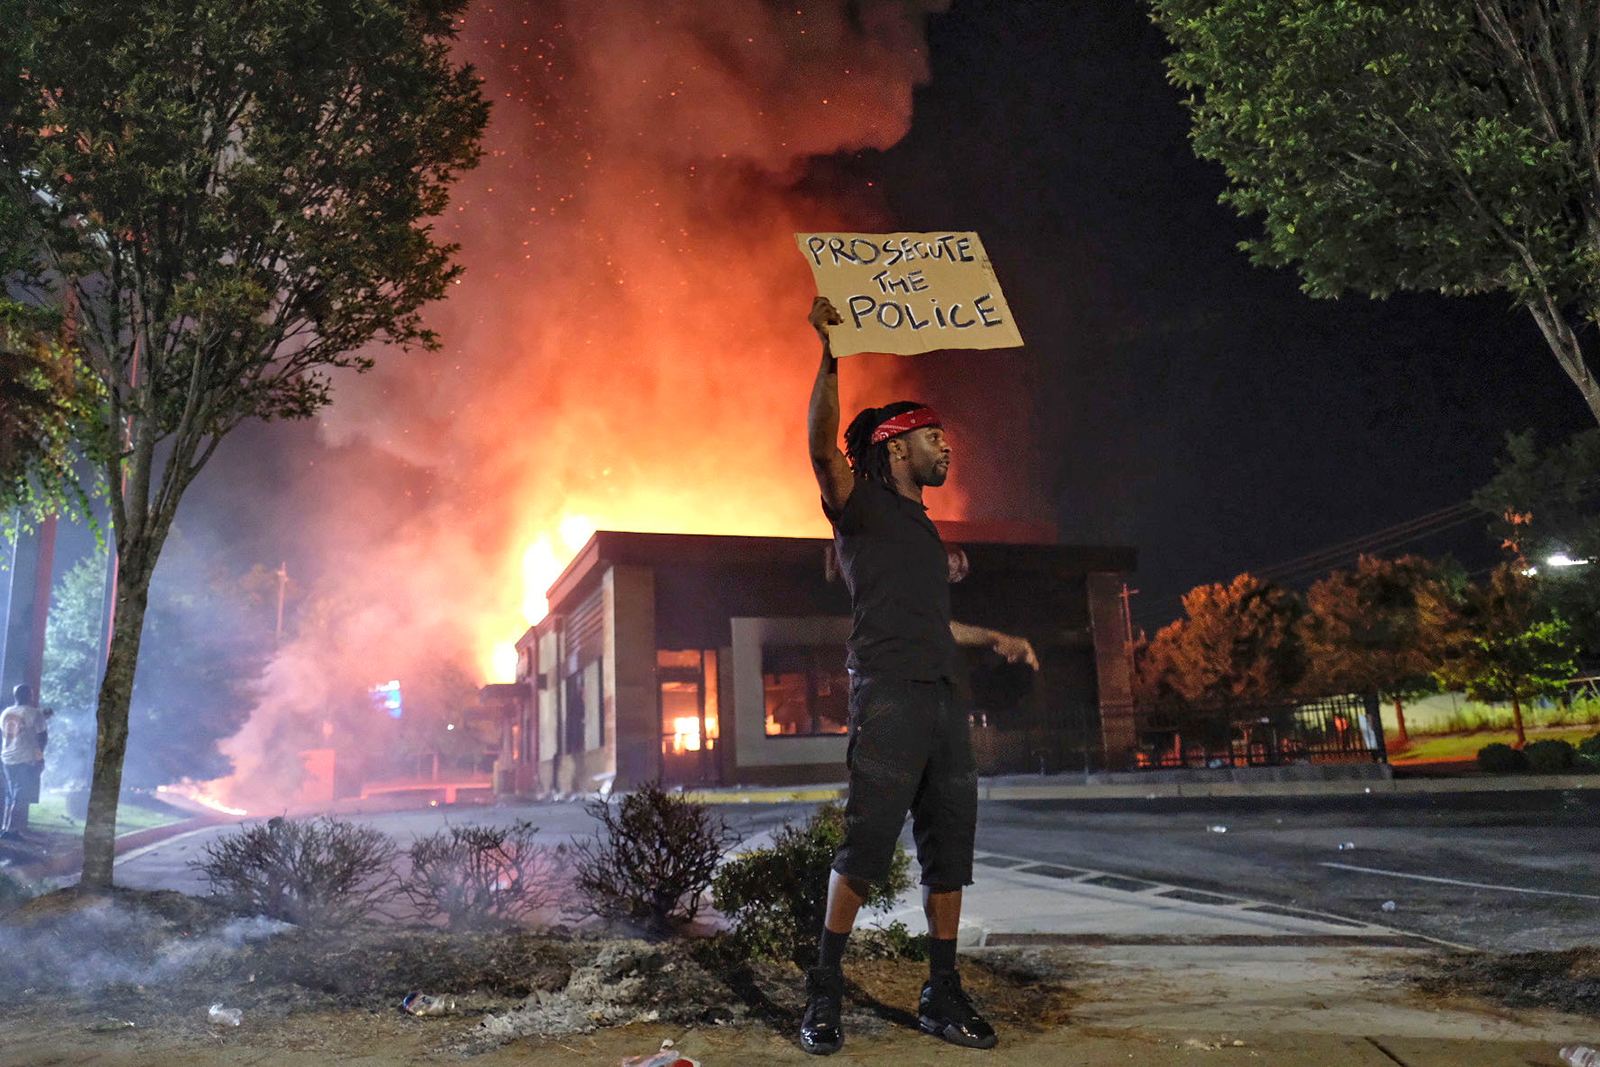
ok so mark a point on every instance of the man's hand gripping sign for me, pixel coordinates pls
(909, 292)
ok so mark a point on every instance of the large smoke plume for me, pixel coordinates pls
(627, 348)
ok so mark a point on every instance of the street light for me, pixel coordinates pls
(1561, 559)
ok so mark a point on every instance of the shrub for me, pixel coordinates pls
(1497, 758)
(316, 872)
(1550, 756)
(484, 877)
(892, 942)
(1589, 749)
(777, 896)
(652, 858)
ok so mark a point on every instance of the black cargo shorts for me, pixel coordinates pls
(910, 749)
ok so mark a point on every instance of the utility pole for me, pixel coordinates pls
(283, 583)
(1127, 610)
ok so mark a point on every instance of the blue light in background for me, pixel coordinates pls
(386, 695)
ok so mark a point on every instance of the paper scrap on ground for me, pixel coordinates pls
(909, 292)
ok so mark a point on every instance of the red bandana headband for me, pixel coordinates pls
(914, 419)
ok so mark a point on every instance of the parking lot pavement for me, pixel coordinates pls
(1016, 901)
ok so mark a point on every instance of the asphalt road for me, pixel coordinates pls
(1507, 871)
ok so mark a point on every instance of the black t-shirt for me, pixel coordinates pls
(894, 563)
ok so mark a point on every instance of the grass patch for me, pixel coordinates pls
(1465, 746)
(50, 816)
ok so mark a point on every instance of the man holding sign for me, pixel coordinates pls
(910, 745)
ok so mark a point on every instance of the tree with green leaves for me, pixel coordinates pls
(1379, 628)
(1546, 503)
(229, 202)
(1506, 648)
(45, 406)
(1424, 145)
(1238, 645)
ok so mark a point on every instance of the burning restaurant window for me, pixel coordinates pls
(687, 687)
(807, 691)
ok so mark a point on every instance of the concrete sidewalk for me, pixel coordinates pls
(1079, 1044)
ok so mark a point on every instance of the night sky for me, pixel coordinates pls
(1188, 403)
(1172, 396)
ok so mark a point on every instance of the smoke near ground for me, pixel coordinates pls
(627, 348)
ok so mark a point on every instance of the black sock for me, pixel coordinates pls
(830, 955)
(941, 955)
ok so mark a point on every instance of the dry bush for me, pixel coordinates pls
(315, 872)
(485, 877)
(652, 859)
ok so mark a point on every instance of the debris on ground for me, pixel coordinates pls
(1580, 1056)
(625, 982)
(1566, 981)
(109, 1026)
(221, 1016)
(428, 1004)
(1388, 905)
(665, 1056)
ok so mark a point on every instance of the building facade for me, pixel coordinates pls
(700, 659)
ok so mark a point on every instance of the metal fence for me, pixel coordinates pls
(1343, 729)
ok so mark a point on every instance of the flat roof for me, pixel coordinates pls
(610, 547)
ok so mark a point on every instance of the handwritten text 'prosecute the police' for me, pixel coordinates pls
(898, 300)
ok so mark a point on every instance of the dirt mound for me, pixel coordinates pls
(1566, 981)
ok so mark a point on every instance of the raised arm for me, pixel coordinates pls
(1014, 649)
(833, 473)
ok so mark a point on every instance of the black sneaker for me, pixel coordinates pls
(945, 1011)
(821, 1033)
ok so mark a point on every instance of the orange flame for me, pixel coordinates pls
(200, 794)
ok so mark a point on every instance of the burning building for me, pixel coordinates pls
(707, 659)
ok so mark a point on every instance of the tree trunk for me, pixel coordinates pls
(1400, 721)
(1516, 716)
(1568, 349)
(111, 717)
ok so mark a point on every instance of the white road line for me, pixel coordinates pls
(163, 843)
(1457, 881)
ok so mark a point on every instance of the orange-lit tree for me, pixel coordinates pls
(1505, 648)
(228, 201)
(1379, 628)
(1237, 646)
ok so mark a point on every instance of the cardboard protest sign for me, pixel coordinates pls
(909, 292)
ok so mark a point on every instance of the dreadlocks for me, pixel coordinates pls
(868, 460)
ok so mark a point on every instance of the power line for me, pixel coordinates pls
(1314, 564)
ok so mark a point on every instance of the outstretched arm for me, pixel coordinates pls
(822, 422)
(1014, 649)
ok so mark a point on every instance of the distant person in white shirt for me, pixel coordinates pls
(23, 735)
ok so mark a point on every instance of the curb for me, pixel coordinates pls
(70, 861)
(1517, 783)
